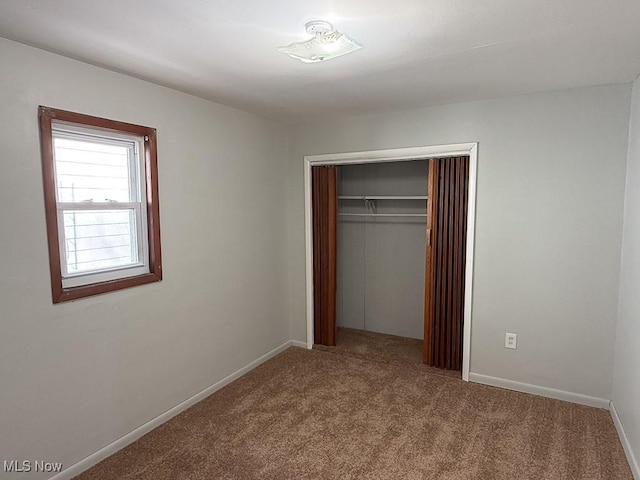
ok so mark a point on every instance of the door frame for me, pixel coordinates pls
(398, 155)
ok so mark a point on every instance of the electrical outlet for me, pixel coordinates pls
(511, 340)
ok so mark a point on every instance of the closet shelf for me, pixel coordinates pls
(382, 214)
(382, 197)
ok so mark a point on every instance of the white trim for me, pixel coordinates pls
(540, 391)
(392, 154)
(399, 155)
(631, 458)
(468, 284)
(132, 436)
(298, 343)
(308, 240)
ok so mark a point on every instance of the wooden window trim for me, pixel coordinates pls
(63, 294)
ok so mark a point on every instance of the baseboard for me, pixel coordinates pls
(631, 458)
(541, 391)
(91, 460)
(298, 343)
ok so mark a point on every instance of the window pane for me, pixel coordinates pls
(92, 171)
(99, 239)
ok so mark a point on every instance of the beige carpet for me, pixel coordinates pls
(308, 414)
(379, 347)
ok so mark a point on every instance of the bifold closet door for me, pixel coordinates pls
(325, 214)
(445, 264)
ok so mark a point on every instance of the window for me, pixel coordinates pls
(101, 199)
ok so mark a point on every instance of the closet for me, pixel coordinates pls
(382, 210)
(389, 246)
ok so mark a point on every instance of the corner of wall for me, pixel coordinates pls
(626, 446)
(625, 392)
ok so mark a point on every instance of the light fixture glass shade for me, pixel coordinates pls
(321, 47)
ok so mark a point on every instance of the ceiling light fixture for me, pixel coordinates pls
(325, 44)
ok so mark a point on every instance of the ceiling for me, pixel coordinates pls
(415, 52)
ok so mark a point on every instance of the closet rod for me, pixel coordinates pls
(382, 197)
(382, 214)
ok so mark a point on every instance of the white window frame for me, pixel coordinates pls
(137, 173)
(144, 143)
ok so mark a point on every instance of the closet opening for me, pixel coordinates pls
(390, 254)
(381, 248)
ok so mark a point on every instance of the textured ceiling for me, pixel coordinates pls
(415, 52)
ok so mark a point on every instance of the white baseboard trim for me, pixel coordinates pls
(298, 343)
(91, 460)
(541, 391)
(631, 458)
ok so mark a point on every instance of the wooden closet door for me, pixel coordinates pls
(325, 214)
(447, 206)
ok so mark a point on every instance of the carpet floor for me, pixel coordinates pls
(307, 414)
(380, 347)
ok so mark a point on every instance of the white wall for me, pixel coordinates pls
(551, 170)
(76, 376)
(381, 260)
(626, 375)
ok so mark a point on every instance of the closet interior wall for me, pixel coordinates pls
(381, 260)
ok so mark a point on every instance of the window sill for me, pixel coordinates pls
(66, 294)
